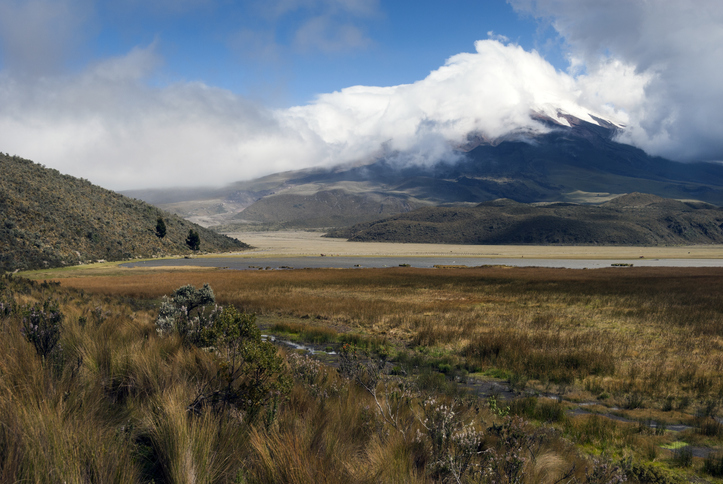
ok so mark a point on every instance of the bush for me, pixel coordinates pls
(160, 228)
(41, 325)
(188, 312)
(251, 376)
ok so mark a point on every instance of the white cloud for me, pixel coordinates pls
(497, 37)
(106, 124)
(657, 70)
(491, 91)
(671, 51)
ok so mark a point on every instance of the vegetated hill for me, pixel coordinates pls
(575, 161)
(634, 219)
(48, 220)
(328, 208)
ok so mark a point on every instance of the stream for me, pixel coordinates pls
(503, 390)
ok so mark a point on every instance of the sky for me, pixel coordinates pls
(135, 94)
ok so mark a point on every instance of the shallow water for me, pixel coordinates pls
(316, 262)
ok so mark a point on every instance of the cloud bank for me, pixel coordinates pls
(654, 69)
(676, 46)
(109, 126)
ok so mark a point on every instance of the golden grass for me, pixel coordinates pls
(658, 331)
(124, 390)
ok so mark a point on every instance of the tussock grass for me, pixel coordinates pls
(111, 407)
(647, 340)
(657, 332)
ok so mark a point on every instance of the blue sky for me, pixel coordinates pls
(132, 94)
(246, 49)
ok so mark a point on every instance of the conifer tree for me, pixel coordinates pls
(160, 228)
(193, 240)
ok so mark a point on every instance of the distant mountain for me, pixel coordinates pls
(575, 161)
(51, 220)
(634, 219)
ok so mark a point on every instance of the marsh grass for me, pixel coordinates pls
(645, 339)
(311, 334)
(657, 332)
(113, 408)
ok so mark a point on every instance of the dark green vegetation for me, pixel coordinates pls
(160, 228)
(50, 220)
(634, 219)
(193, 241)
(624, 363)
(581, 163)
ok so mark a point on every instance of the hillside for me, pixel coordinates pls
(580, 162)
(634, 219)
(49, 220)
(329, 208)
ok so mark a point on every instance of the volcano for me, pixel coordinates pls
(570, 160)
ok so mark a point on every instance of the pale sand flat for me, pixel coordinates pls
(300, 243)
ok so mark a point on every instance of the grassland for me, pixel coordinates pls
(651, 330)
(619, 348)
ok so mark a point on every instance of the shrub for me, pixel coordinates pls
(188, 312)
(251, 375)
(160, 228)
(41, 325)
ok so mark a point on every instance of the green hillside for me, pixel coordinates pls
(634, 219)
(49, 220)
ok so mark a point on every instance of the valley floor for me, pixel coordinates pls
(300, 243)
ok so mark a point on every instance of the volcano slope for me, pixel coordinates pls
(578, 162)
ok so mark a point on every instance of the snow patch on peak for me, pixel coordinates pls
(571, 117)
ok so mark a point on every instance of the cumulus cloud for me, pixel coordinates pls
(675, 47)
(654, 69)
(107, 124)
(491, 92)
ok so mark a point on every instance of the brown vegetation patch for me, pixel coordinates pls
(655, 331)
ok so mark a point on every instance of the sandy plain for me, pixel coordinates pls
(301, 243)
